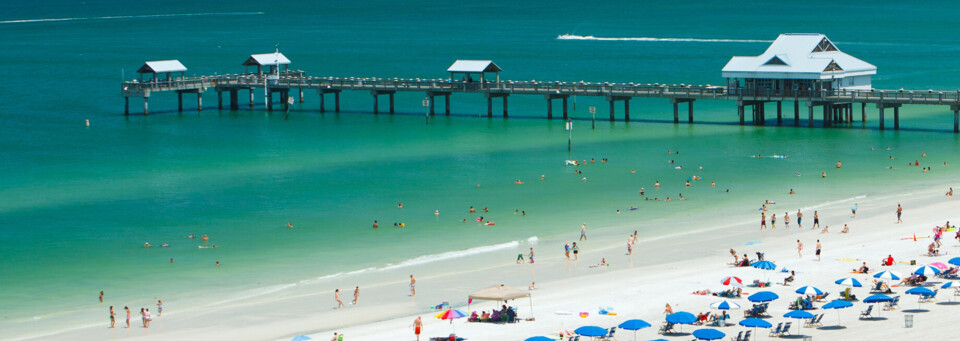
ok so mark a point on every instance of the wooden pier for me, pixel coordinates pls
(837, 106)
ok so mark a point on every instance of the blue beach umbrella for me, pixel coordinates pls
(708, 334)
(764, 265)
(926, 271)
(681, 317)
(634, 325)
(300, 338)
(809, 290)
(920, 291)
(849, 282)
(799, 314)
(950, 285)
(539, 338)
(755, 323)
(891, 275)
(879, 298)
(954, 261)
(762, 296)
(725, 305)
(838, 304)
(590, 331)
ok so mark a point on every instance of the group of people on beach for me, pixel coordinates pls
(145, 317)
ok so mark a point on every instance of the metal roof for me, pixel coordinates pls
(798, 56)
(474, 66)
(267, 59)
(161, 66)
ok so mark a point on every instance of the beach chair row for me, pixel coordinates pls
(782, 329)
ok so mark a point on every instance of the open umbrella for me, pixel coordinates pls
(799, 314)
(539, 338)
(590, 331)
(731, 280)
(940, 266)
(725, 305)
(634, 325)
(954, 285)
(764, 265)
(954, 261)
(837, 304)
(878, 298)
(708, 334)
(926, 271)
(451, 314)
(762, 296)
(755, 323)
(681, 317)
(891, 275)
(920, 291)
(809, 290)
(301, 338)
(849, 282)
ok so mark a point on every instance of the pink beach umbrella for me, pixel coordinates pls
(940, 265)
(731, 280)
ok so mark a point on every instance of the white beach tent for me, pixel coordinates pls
(500, 293)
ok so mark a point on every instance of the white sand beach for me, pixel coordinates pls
(659, 272)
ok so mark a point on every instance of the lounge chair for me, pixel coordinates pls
(786, 329)
(893, 304)
(876, 288)
(929, 298)
(813, 322)
(666, 328)
(776, 331)
(746, 337)
(867, 313)
(610, 334)
(739, 336)
(822, 298)
(846, 295)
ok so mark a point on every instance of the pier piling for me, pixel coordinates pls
(779, 113)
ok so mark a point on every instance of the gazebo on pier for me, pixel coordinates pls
(798, 62)
(157, 67)
(471, 70)
(269, 60)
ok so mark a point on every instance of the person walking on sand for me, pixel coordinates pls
(576, 250)
(583, 231)
(566, 250)
(818, 250)
(799, 249)
(630, 244)
(128, 315)
(143, 318)
(763, 221)
(101, 296)
(773, 222)
(147, 318)
(417, 326)
(336, 296)
(413, 286)
(853, 209)
(635, 236)
(816, 220)
(113, 317)
(786, 220)
(159, 308)
(356, 295)
(899, 212)
(799, 220)
(530, 256)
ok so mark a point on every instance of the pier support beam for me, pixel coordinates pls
(896, 118)
(446, 104)
(269, 100)
(490, 96)
(146, 105)
(301, 94)
(179, 101)
(200, 101)
(550, 99)
(882, 120)
(896, 114)
(234, 101)
(126, 105)
(810, 114)
(376, 96)
(251, 98)
(626, 106)
(796, 113)
(740, 112)
(956, 117)
(336, 102)
(446, 98)
(779, 113)
(219, 100)
(676, 111)
(863, 113)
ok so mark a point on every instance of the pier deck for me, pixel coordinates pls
(837, 105)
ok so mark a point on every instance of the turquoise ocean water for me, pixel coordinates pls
(77, 203)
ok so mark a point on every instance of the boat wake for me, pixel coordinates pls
(22, 21)
(579, 37)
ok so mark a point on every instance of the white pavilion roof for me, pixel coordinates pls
(267, 59)
(799, 56)
(473, 66)
(161, 66)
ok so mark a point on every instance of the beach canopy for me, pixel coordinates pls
(809, 290)
(731, 280)
(954, 261)
(891, 275)
(849, 282)
(708, 334)
(926, 271)
(837, 304)
(878, 299)
(764, 265)
(725, 305)
(590, 331)
(499, 293)
(633, 324)
(539, 338)
(755, 322)
(681, 317)
(762, 296)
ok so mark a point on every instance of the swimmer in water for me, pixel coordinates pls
(400, 205)
(147, 245)
(192, 236)
(205, 238)
(518, 182)
(289, 225)
(164, 245)
(436, 212)
(839, 164)
(657, 184)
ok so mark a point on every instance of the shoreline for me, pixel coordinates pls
(296, 309)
